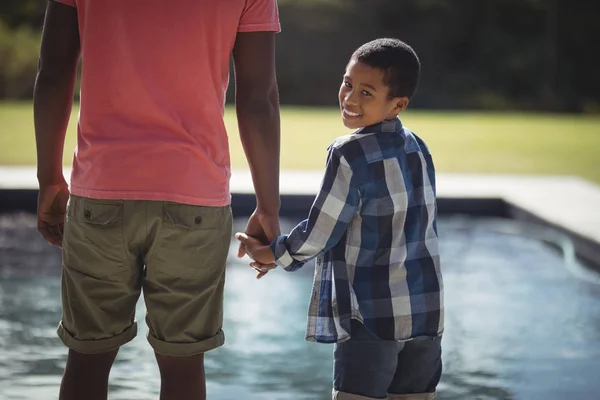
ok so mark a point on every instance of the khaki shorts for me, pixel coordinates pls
(176, 253)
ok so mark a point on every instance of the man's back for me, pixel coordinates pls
(150, 128)
(153, 85)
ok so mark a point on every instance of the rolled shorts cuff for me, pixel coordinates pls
(413, 396)
(94, 346)
(337, 395)
(186, 349)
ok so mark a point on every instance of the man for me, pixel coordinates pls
(148, 201)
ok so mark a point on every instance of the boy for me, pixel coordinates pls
(378, 292)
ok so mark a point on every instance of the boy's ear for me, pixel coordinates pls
(400, 104)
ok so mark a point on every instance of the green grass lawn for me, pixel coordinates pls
(465, 142)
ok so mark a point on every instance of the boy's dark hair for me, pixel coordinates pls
(398, 61)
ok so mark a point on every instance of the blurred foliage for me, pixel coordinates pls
(476, 54)
(17, 13)
(18, 61)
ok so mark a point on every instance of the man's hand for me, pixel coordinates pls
(264, 228)
(52, 207)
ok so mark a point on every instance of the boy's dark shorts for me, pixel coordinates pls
(176, 253)
(366, 367)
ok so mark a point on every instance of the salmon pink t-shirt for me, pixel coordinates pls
(154, 76)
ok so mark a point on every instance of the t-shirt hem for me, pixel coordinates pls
(270, 27)
(153, 196)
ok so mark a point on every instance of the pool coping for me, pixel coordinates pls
(568, 204)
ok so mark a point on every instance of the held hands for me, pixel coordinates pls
(255, 249)
(260, 253)
(262, 228)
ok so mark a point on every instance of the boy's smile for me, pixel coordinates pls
(364, 97)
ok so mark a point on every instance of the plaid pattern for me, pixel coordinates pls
(373, 230)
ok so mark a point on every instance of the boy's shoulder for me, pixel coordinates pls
(392, 144)
(350, 140)
(354, 148)
(414, 143)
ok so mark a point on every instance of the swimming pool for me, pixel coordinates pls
(522, 322)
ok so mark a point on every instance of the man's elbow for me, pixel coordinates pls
(49, 72)
(257, 109)
(259, 102)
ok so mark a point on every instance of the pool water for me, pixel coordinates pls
(522, 322)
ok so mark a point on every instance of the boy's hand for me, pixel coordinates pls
(261, 254)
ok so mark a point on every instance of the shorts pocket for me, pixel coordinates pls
(193, 241)
(93, 240)
(194, 217)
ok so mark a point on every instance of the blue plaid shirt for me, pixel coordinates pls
(373, 231)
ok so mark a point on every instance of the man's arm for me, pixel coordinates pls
(52, 102)
(53, 93)
(257, 106)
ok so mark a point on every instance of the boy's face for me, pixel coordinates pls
(364, 97)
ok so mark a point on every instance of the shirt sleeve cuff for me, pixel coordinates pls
(282, 256)
(268, 27)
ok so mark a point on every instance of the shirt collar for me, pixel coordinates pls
(385, 126)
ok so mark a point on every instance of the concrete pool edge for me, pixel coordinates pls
(568, 204)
